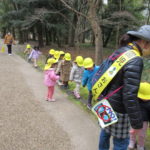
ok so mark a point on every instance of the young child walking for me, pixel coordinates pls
(140, 135)
(27, 52)
(89, 71)
(35, 53)
(50, 78)
(76, 75)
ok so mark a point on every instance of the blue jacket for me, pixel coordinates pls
(87, 77)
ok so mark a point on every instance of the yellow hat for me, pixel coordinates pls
(28, 46)
(67, 56)
(51, 51)
(50, 61)
(144, 91)
(79, 60)
(57, 55)
(47, 66)
(62, 52)
(88, 62)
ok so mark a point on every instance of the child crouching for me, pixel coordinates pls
(76, 75)
(50, 78)
(140, 134)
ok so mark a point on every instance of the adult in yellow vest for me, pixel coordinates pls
(122, 91)
(9, 40)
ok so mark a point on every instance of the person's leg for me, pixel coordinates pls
(48, 93)
(9, 49)
(120, 143)
(89, 105)
(77, 90)
(51, 93)
(35, 62)
(65, 84)
(132, 142)
(104, 140)
(142, 135)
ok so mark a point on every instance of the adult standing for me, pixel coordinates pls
(9, 40)
(125, 102)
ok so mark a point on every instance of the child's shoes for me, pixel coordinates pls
(89, 106)
(131, 145)
(76, 95)
(140, 147)
(52, 100)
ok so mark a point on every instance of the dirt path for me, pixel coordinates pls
(28, 122)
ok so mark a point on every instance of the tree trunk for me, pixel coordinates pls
(108, 37)
(93, 19)
(13, 32)
(117, 36)
(4, 32)
(92, 38)
(34, 34)
(40, 35)
(58, 35)
(21, 39)
(72, 31)
(47, 36)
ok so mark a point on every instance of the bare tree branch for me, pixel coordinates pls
(72, 9)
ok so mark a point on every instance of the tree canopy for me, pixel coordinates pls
(72, 22)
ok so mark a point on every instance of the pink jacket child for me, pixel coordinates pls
(50, 79)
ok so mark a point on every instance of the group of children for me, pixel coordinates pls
(59, 68)
(79, 71)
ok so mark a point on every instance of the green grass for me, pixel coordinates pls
(146, 70)
(83, 90)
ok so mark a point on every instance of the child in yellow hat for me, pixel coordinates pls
(89, 71)
(65, 69)
(61, 58)
(27, 52)
(76, 75)
(50, 54)
(140, 134)
(50, 78)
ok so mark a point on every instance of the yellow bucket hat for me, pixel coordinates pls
(57, 55)
(79, 61)
(50, 61)
(88, 62)
(51, 51)
(144, 91)
(67, 56)
(28, 46)
(62, 52)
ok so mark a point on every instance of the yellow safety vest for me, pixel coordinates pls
(111, 72)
